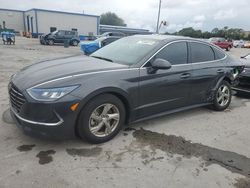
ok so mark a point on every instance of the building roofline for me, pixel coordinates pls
(62, 12)
(123, 28)
(6, 9)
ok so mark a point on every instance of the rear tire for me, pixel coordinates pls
(222, 97)
(74, 43)
(101, 119)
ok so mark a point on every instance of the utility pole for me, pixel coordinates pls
(158, 19)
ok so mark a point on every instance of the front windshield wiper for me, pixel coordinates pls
(103, 58)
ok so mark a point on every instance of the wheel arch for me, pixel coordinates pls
(119, 93)
(223, 78)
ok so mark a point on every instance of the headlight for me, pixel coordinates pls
(50, 94)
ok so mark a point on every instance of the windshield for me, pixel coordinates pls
(100, 39)
(105, 34)
(213, 40)
(54, 32)
(128, 50)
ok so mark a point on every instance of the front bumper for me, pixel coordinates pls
(42, 40)
(54, 121)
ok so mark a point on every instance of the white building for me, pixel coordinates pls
(39, 21)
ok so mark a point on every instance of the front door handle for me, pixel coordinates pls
(185, 75)
(220, 71)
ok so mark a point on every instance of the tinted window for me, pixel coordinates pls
(61, 33)
(175, 53)
(67, 32)
(201, 52)
(218, 54)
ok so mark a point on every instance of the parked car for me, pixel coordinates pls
(243, 86)
(247, 44)
(222, 43)
(238, 43)
(60, 36)
(113, 34)
(130, 80)
(90, 47)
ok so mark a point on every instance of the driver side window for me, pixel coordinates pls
(176, 53)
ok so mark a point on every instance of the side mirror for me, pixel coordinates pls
(158, 64)
(161, 64)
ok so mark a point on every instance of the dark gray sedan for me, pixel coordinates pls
(130, 80)
(243, 86)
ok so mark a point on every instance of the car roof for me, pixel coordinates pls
(168, 38)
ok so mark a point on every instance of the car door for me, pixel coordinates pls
(223, 43)
(60, 37)
(207, 69)
(164, 90)
(68, 35)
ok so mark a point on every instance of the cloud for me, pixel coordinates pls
(200, 14)
(199, 18)
(225, 14)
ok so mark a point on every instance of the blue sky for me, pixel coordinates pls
(200, 14)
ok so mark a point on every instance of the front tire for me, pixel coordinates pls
(51, 42)
(101, 119)
(223, 96)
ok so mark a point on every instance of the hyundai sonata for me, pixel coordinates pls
(130, 80)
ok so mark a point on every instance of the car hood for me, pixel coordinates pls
(46, 35)
(57, 68)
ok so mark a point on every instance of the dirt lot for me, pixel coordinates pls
(197, 148)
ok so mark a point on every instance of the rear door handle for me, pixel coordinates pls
(185, 75)
(220, 71)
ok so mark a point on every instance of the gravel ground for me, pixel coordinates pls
(196, 148)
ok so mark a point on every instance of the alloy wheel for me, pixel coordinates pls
(223, 95)
(104, 120)
(75, 43)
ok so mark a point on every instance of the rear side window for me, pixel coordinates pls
(175, 53)
(201, 53)
(218, 54)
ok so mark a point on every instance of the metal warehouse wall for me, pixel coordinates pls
(13, 19)
(66, 21)
(31, 16)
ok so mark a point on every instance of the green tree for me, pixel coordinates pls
(226, 32)
(110, 18)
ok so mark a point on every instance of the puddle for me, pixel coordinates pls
(177, 145)
(6, 117)
(25, 147)
(45, 157)
(147, 161)
(18, 171)
(84, 152)
(127, 129)
(242, 183)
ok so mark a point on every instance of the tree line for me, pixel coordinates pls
(110, 18)
(226, 32)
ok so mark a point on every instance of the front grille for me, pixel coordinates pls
(16, 98)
